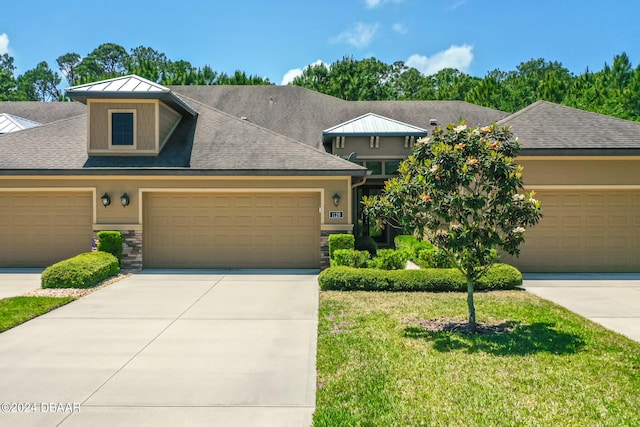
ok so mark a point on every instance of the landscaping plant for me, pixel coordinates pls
(462, 190)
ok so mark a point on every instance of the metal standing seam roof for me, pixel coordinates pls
(10, 123)
(125, 84)
(374, 124)
(131, 86)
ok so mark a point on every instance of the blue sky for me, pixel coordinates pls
(277, 38)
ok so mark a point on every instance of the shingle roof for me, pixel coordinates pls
(224, 142)
(373, 124)
(10, 123)
(275, 130)
(302, 114)
(547, 126)
(43, 112)
(212, 143)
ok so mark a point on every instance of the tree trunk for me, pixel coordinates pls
(471, 326)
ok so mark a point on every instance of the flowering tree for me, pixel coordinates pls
(462, 191)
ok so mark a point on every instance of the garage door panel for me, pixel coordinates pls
(584, 231)
(618, 221)
(40, 228)
(235, 231)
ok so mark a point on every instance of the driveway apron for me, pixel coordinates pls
(612, 300)
(214, 348)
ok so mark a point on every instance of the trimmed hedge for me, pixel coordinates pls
(390, 259)
(499, 277)
(82, 271)
(340, 241)
(350, 258)
(111, 241)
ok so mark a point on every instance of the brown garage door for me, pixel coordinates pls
(231, 230)
(40, 228)
(584, 231)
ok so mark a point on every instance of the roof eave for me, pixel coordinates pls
(168, 98)
(579, 152)
(358, 134)
(181, 171)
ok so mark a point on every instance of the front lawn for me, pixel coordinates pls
(17, 310)
(378, 365)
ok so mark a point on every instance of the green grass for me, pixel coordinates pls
(378, 367)
(17, 310)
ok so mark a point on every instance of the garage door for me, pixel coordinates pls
(231, 230)
(38, 229)
(584, 231)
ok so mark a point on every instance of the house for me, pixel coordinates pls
(259, 176)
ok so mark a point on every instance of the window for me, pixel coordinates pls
(122, 128)
(374, 167)
(391, 168)
(380, 167)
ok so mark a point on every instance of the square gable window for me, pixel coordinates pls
(122, 128)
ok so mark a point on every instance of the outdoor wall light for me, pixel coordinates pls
(106, 200)
(124, 199)
(336, 199)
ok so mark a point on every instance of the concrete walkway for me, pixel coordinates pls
(612, 300)
(18, 281)
(159, 349)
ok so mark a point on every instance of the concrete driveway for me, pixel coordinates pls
(169, 348)
(612, 300)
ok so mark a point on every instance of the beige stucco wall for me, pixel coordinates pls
(136, 186)
(391, 147)
(580, 171)
(167, 120)
(146, 139)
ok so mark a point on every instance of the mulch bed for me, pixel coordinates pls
(74, 292)
(460, 326)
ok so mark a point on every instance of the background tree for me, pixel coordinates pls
(107, 61)
(8, 83)
(67, 64)
(147, 63)
(462, 191)
(40, 84)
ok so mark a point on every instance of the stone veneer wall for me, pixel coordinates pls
(132, 250)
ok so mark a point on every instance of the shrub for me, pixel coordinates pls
(412, 245)
(350, 258)
(389, 259)
(340, 241)
(82, 271)
(111, 241)
(426, 258)
(404, 242)
(435, 258)
(366, 243)
(432, 258)
(499, 276)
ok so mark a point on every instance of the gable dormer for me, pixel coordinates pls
(129, 116)
(372, 136)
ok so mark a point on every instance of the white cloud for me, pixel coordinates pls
(372, 4)
(459, 57)
(458, 4)
(400, 28)
(361, 35)
(4, 43)
(295, 72)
